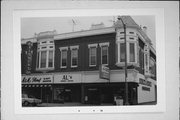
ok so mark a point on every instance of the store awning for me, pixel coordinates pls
(36, 85)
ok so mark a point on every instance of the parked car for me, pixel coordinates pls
(28, 100)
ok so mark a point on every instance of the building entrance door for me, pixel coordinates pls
(93, 96)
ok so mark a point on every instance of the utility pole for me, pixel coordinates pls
(125, 69)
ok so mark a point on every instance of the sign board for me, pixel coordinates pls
(104, 72)
(145, 82)
(37, 79)
(67, 78)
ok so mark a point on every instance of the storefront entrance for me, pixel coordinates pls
(67, 93)
(43, 92)
(107, 93)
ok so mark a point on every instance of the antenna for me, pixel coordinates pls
(73, 24)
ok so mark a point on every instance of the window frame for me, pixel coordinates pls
(90, 46)
(63, 49)
(101, 46)
(45, 46)
(77, 50)
(127, 52)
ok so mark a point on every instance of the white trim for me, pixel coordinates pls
(74, 47)
(104, 44)
(92, 45)
(63, 48)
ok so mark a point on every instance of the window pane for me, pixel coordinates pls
(152, 67)
(93, 56)
(64, 58)
(141, 58)
(50, 62)
(132, 52)
(105, 55)
(122, 52)
(74, 56)
(43, 59)
(37, 60)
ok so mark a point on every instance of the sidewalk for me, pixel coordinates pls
(70, 104)
(66, 104)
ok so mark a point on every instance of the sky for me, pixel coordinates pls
(30, 26)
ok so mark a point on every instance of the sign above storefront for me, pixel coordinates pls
(104, 72)
(67, 78)
(41, 79)
(145, 82)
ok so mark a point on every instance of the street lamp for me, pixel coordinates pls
(125, 69)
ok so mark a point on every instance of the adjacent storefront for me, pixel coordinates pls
(67, 87)
(39, 86)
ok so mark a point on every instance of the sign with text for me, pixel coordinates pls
(41, 79)
(67, 78)
(104, 72)
(145, 82)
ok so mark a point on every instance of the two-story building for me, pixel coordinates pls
(69, 66)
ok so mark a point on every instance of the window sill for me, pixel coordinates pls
(44, 69)
(122, 64)
(92, 65)
(74, 66)
(64, 67)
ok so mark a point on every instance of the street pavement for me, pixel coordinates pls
(80, 104)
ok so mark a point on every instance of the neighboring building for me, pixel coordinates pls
(74, 66)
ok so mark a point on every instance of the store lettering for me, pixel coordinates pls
(145, 82)
(36, 80)
(66, 78)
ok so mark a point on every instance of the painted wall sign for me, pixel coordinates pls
(42, 79)
(67, 78)
(104, 72)
(145, 82)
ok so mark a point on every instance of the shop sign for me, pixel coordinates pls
(145, 88)
(29, 53)
(67, 78)
(104, 72)
(37, 79)
(145, 82)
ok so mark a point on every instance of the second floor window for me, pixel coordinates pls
(45, 57)
(74, 56)
(131, 52)
(122, 52)
(92, 54)
(64, 58)
(104, 53)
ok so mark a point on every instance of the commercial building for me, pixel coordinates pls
(88, 66)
